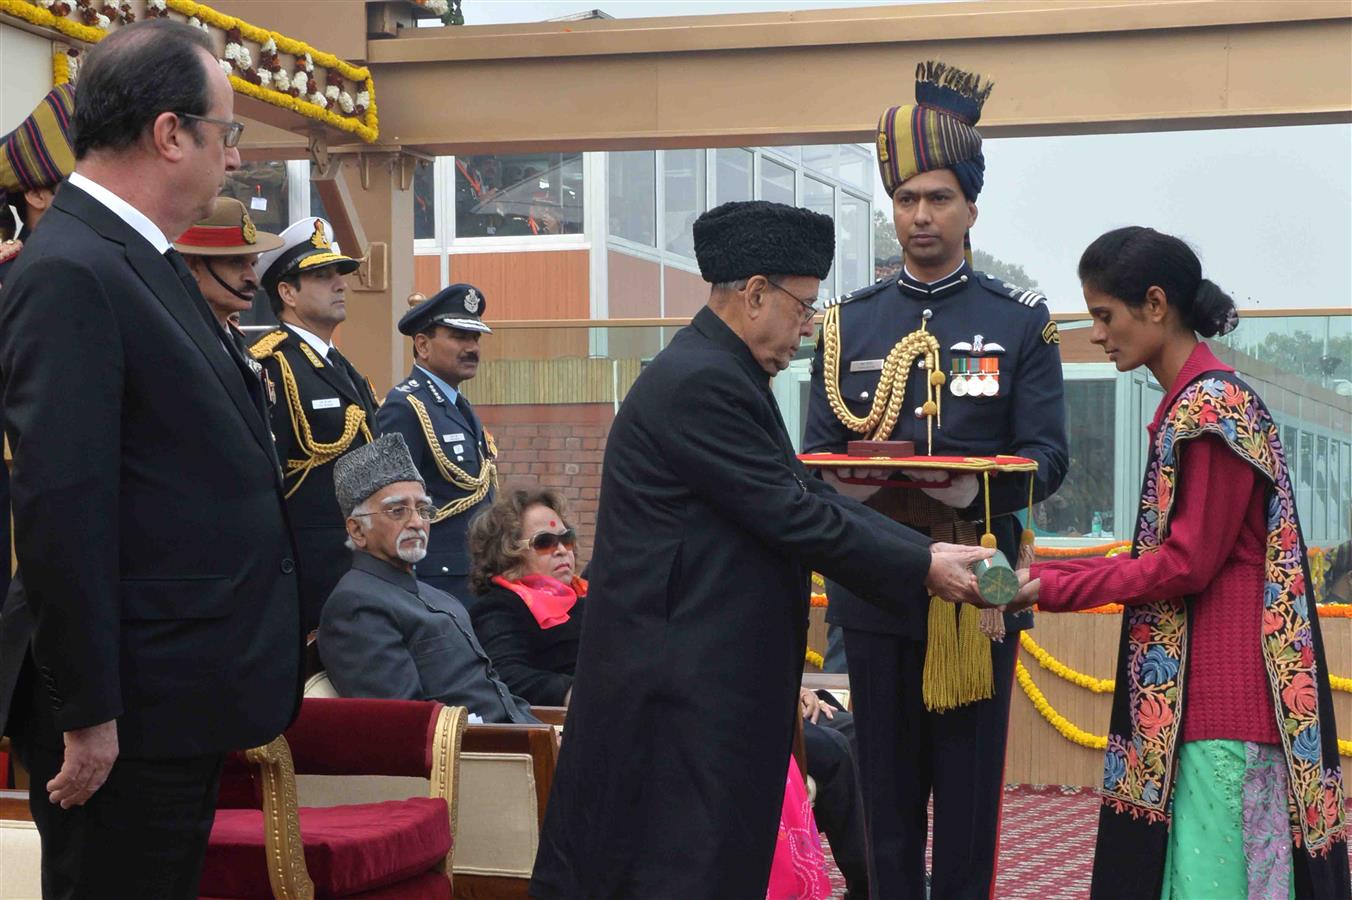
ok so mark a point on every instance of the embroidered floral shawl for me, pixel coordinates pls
(1147, 711)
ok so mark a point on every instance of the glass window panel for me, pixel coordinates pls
(855, 242)
(821, 158)
(819, 196)
(1083, 507)
(776, 182)
(262, 188)
(683, 184)
(633, 196)
(316, 204)
(794, 153)
(424, 203)
(856, 167)
(732, 174)
(524, 194)
(1323, 476)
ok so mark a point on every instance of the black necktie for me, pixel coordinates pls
(195, 296)
(463, 405)
(344, 370)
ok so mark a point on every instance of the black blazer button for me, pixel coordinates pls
(288, 567)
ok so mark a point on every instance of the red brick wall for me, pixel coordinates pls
(557, 446)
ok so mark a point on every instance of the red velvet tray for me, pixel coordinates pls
(975, 464)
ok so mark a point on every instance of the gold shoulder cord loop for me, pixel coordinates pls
(458, 477)
(317, 454)
(891, 392)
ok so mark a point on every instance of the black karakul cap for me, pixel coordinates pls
(457, 306)
(757, 237)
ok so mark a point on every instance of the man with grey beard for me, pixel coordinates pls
(383, 633)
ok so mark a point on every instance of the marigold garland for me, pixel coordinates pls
(1078, 552)
(1061, 670)
(367, 127)
(30, 12)
(813, 658)
(60, 66)
(1054, 718)
(368, 131)
(818, 600)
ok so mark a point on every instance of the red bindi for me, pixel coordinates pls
(553, 524)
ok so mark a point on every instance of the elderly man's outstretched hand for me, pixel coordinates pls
(950, 573)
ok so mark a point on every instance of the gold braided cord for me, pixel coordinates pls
(891, 391)
(317, 453)
(478, 486)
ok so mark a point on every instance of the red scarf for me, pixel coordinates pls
(548, 599)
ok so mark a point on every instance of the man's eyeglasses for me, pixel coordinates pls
(233, 130)
(401, 514)
(546, 541)
(809, 308)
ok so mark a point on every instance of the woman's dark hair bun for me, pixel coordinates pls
(1126, 262)
(1213, 311)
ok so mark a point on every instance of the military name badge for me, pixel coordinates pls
(975, 368)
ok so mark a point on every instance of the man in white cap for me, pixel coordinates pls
(324, 406)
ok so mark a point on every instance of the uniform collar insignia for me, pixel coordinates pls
(939, 288)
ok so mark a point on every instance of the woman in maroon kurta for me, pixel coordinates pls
(1210, 789)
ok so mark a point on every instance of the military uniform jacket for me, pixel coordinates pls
(443, 437)
(999, 342)
(320, 413)
(671, 780)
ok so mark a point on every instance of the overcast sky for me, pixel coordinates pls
(1268, 209)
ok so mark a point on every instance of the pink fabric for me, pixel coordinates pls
(547, 599)
(1214, 552)
(798, 871)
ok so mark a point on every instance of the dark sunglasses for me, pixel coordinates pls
(546, 541)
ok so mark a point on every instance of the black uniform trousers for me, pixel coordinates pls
(143, 834)
(906, 751)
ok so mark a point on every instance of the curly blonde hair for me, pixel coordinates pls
(495, 534)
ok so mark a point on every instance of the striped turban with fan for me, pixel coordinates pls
(938, 131)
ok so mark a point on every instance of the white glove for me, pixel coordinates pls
(860, 492)
(961, 491)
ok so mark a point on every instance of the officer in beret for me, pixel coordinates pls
(672, 779)
(450, 447)
(930, 718)
(34, 159)
(222, 252)
(324, 407)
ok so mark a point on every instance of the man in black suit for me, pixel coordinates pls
(682, 715)
(154, 622)
(324, 407)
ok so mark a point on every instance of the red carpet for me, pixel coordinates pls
(1046, 844)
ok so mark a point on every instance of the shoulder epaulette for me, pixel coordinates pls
(860, 293)
(267, 344)
(1023, 296)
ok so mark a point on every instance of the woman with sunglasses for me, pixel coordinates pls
(1221, 776)
(528, 615)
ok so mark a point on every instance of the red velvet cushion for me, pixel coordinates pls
(348, 849)
(356, 736)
